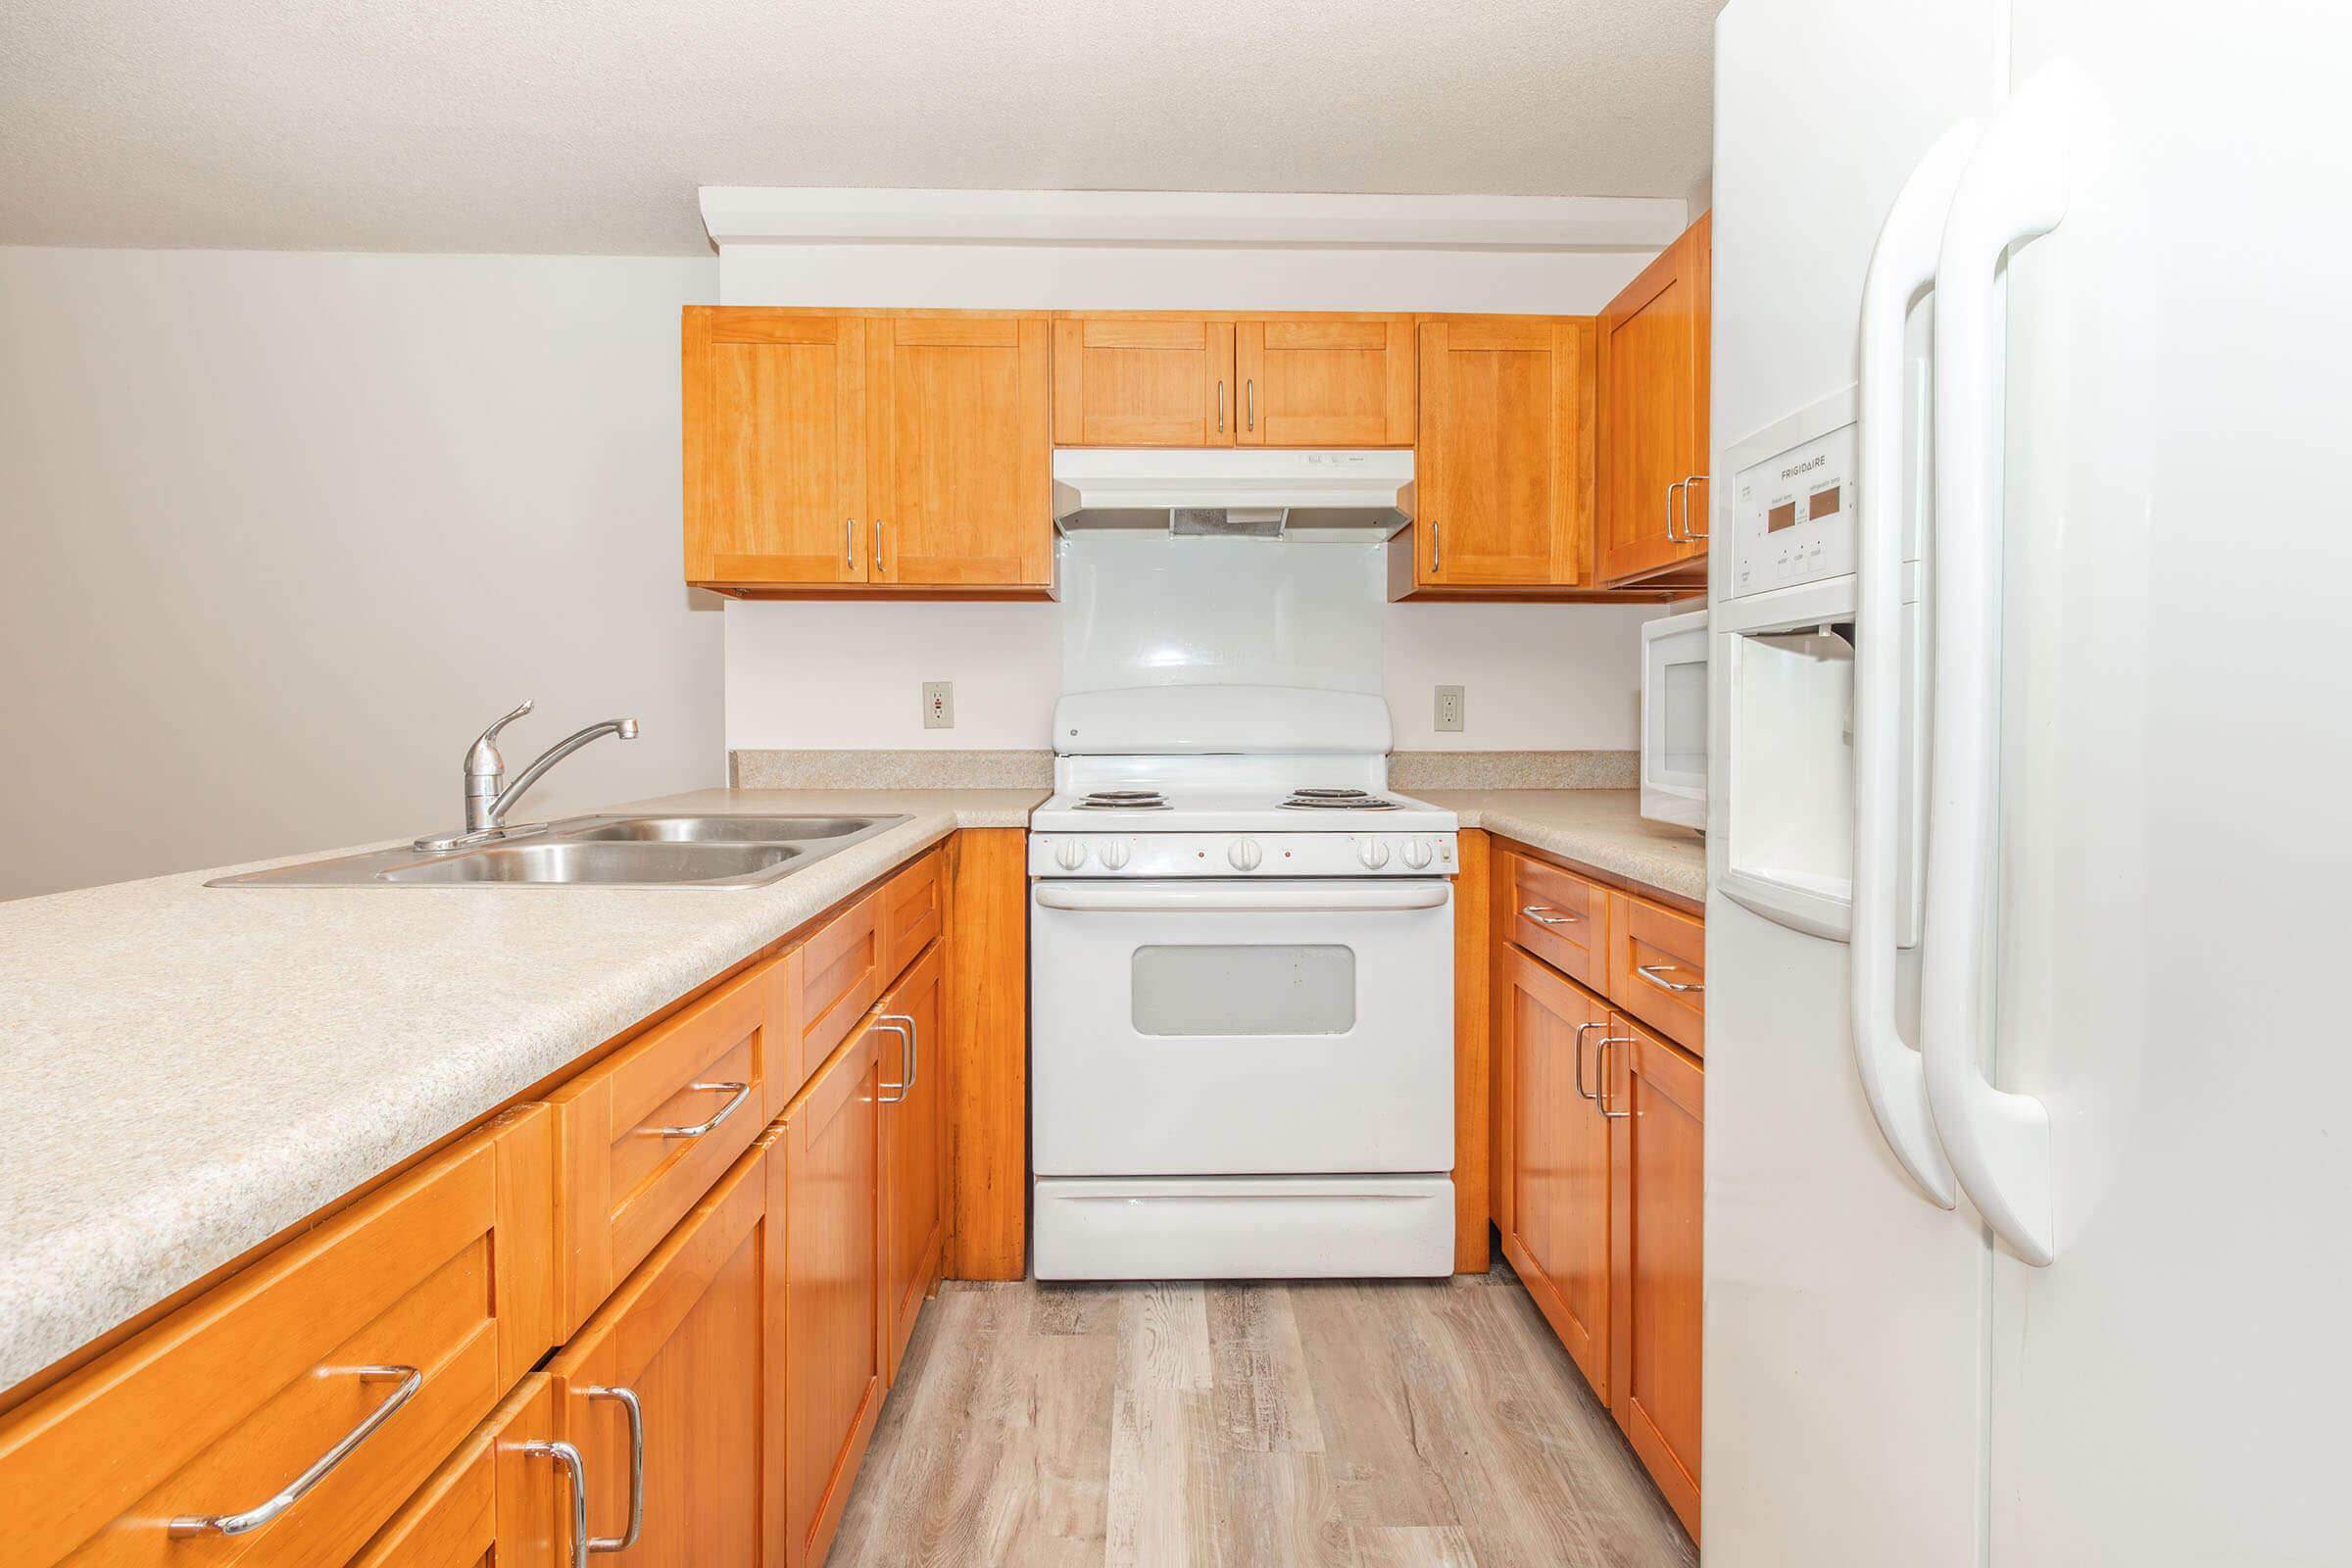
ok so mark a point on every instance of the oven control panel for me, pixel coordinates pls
(1230, 854)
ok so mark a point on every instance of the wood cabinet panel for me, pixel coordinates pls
(915, 1148)
(774, 426)
(1562, 1169)
(823, 1292)
(442, 1280)
(1558, 916)
(1655, 376)
(1659, 1266)
(962, 481)
(497, 1502)
(1325, 381)
(1143, 381)
(634, 1164)
(1658, 969)
(829, 981)
(912, 910)
(684, 1336)
(1504, 468)
(987, 1076)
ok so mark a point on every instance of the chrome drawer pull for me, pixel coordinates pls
(898, 1023)
(1600, 1097)
(1546, 914)
(741, 1093)
(1650, 972)
(628, 1398)
(252, 1519)
(1582, 1093)
(564, 1454)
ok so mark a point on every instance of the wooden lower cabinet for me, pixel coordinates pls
(502, 1501)
(822, 1293)
(1560, 1164)
(1656, 1270)
(683, 1341)
(913, 1149)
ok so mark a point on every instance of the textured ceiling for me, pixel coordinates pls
(586, 126)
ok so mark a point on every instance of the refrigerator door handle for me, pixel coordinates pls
(2012, 190)
(1902, 264)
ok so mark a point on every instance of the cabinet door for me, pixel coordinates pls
(914, 1148)
(684, 1336)
(775, 433)
(1143, 381)
(502, 1501)
(1653, 414)
(1658, 1267)
(1561, 1166)
(962, 458)
(1325, 383)
(1503, 469)
(824, 1297)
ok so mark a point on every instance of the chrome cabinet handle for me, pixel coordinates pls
(1672, 537)
(564, 1454)
(1600, 1095)
(740, 1094)
(879, 524)
(254, 1518)
(1249, 401)
(1688, 537)
(627, 1399)
(1582, 1093)
(898, 1023)
(849, 543)
(1546, 914)
(1650, 972)
(1433, 546)
(1220, 407)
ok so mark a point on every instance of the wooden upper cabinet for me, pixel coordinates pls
(1653, 417)
(1503, 473)
(774, 425)
(961, 476)
(1143, 381)
(1325, 382)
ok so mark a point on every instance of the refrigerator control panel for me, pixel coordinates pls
(1792, 515)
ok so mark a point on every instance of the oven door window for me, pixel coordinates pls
(1244, 989)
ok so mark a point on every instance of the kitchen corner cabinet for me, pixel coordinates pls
(1189, 380)
(1599, 1142)
(1655, 386)
(885, 454)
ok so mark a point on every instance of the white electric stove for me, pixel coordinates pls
(1241, 993)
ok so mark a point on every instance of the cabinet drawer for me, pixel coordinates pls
(645, 1133)
(1556, 916)
(909, 914)
(831, 979)
(502, 1501)
(1658, 969)
(383, 1337)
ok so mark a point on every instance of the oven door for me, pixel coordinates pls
(1211, 1027)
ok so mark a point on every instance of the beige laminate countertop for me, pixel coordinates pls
(1600, 828)
(189, 1071)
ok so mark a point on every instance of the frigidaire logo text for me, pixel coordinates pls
(1809, 464)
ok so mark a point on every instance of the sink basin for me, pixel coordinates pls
(726, 829)
(580, 860)
(704, 851)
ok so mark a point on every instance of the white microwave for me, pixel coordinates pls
(1674, 719)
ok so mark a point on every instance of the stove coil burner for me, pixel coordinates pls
(1335, 800)
(1123, 801)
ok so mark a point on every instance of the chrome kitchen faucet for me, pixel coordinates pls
(488, 797)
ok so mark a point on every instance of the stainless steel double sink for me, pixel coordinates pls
(633, 850)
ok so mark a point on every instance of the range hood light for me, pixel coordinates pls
(1227, 522)
(1325, 497)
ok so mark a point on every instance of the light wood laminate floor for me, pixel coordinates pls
(1397, 1424)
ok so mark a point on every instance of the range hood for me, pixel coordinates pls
(1333, 497)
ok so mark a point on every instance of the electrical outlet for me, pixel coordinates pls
(1449, 709)
(939, 704)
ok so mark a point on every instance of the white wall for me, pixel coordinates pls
(284, 531)
(1540, 676)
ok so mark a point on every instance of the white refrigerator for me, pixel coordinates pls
(2047, 1262)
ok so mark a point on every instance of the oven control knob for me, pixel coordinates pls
(1070, 854)
(1243, 853)
(1373, 852)
(1418, 853)
(1113, 853)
